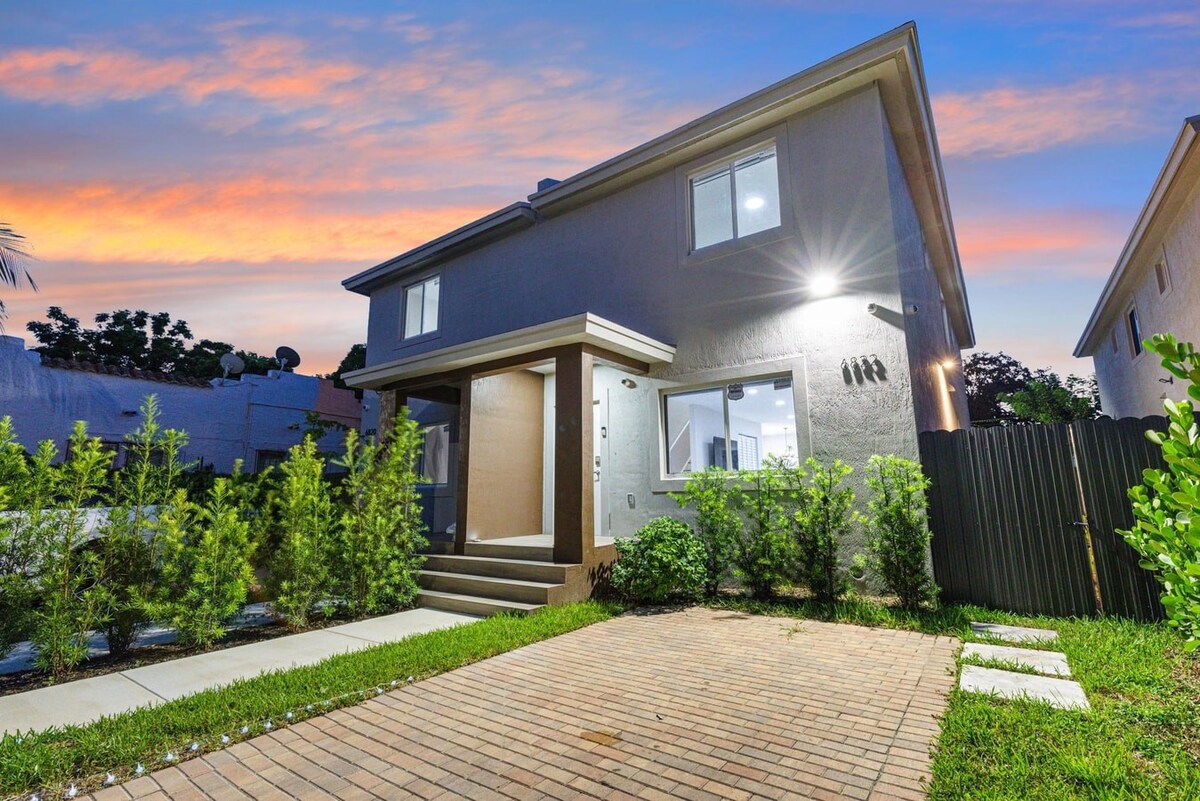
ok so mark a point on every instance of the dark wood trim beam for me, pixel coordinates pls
(464, 467)
(574, 488)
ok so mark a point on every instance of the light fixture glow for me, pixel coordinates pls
(752, 391)
(949, 364)
(754, 203)
(778, 403)
(822, 285)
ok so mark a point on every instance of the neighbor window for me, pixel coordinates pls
(267, 459)
(421, 307)
(735, 426)
(1135, 331)
(1113, 340)
(735, 199)
(1163, 276)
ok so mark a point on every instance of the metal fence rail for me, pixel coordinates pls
(1007, 507)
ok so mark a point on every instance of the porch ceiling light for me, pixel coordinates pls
(822, 285)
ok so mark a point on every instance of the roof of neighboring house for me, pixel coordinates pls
(124, 372)
(891, 62)
(1178, 176)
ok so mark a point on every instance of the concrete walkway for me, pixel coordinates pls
(701, 704)
(87, 700)
(1053, 686)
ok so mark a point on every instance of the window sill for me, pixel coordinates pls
(417, 340)
(732, 246)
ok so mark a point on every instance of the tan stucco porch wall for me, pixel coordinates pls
(506, 456)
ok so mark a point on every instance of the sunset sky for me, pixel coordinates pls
(231, 162)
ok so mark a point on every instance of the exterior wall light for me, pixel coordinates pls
(949, 364)
(822, 285)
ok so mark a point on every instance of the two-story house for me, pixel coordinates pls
(1154, 288)
(778, 277)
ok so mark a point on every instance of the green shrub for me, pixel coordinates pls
(206, 569)
(381, 528)
(300, 575)
(825, 515)
(763, 550)
(1166, 506)
(17, 543)
(715, 499)
(663, 561)
(898, 533)
(66, 570)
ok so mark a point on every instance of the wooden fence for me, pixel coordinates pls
(1007, 508)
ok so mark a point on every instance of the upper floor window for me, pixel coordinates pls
(735, 199)
(1135, 331)
(1162, 274)
(421, 307)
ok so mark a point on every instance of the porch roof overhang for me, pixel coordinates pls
(585, 329)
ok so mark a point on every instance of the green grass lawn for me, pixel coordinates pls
(82, 754)
(1140, 741)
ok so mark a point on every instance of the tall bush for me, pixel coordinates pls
(715, 499)
(128, 552)
(300, 571)
(380, 527)
(763, 550)
(17, 541)
(663, 561)
(820, 524)
(898, 534)
(205, 564)
(66, 570)
(1166, 506)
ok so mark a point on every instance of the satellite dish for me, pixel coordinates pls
(232, 363)
(287, 357)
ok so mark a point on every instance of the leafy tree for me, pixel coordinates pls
(138, 339)
(381, 528)
(355, 359)
(763, 548)
(300, 573)
(1166, 506)
(1048, 399)
(824, 517)
(898, 534)
(14, 254)
(715, 499)
(664, 561)
(988, 376)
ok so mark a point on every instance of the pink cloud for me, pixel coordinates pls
(1047, 243)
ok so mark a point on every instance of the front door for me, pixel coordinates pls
(600, 460)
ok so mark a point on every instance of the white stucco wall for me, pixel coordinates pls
(1129, 385)
(225, 421)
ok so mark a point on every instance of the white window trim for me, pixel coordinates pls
(1136, 350)
(1166, 268)
(437, 323)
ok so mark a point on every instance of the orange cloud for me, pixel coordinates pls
(1051, 243)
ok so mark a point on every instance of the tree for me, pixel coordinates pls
(138, 340)
(1048, 399)
(988, 376)
(13, 254)
(355, 359)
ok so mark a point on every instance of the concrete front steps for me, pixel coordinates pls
(505, 579)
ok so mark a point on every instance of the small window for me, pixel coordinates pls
(735, 199)
(1163, 276)
(1113, 339)
(264, 460)
(1135, 331)
(421, 307)
(735, 427)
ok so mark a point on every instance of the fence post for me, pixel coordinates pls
(1087, 530)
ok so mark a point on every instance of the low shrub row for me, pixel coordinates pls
(84, 547)
(784, 524)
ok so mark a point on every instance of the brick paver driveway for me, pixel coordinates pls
(700, 704)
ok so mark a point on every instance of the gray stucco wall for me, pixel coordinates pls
(1129, 385)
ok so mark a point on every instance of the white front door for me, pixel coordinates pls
(600, 460)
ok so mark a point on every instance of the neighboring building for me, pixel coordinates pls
(779, 277)
(255, 419)
(1154, 289)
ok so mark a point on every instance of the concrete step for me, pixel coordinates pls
(471, 604)
(526, 592)
(529, 553)
(519, 569)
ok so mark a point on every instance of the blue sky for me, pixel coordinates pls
(231, 162)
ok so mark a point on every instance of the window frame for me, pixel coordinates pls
(1163, 282)
(723, 385)
(437, 323)
(1133, 327)
(776, 137)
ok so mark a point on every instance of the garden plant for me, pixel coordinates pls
(821, 523)
(663, 561)
(898, 533)
(715, 498)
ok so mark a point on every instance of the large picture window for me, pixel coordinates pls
(734, 426)
(421, 307)
(735, 199)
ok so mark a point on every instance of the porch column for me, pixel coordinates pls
(464, 465)
(389, 401)
(574, 488)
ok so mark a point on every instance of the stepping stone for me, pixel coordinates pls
(1061, 693)
(1048, 662)
(1013, 633)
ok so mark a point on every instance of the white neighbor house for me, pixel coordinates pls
(777, 277)
(1154, 288)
